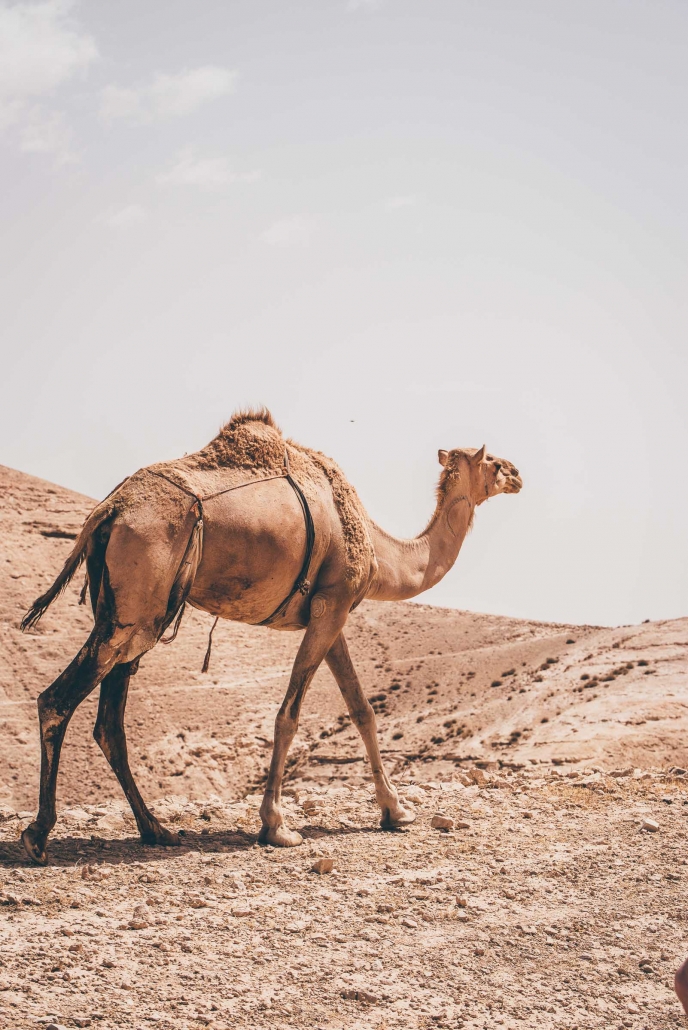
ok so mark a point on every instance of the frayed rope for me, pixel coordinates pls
(175, 628)
(206, 660)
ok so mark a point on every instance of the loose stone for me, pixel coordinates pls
(198, 903)
(322, 865)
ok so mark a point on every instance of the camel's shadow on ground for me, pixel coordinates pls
(69, 851)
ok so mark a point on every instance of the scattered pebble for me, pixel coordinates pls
(198, 902)
(241, 911)
(322, 865)
(140, 919)
(650, 825)
(359, 994)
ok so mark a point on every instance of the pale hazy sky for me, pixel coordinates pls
(403, 225)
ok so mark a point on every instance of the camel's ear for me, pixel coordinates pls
(443, 457)
(479, 456)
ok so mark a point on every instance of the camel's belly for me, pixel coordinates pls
(254, 545)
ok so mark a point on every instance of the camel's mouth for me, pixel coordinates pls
(513, 484)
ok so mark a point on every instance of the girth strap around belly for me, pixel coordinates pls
(302, 584)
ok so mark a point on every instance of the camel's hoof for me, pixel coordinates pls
(401, 817)
(280, 837)
(162, 837)
(31, 848)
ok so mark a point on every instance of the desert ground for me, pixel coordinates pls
(552, 894)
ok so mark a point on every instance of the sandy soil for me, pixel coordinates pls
(547, 905)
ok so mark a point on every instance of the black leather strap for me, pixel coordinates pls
(302, 584)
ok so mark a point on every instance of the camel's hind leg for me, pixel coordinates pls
(111, 738)
(56, 706)
(363, 717)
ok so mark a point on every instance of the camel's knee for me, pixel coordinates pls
(286, 726)
(363, 716)
(51, 720)
(44, 704)
(100, 736)
(105, 733)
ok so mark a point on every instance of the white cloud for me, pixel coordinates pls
(167, 96)
(392, 203)
(206, 172)
(287, 231)
(40, 48)
(123, 218)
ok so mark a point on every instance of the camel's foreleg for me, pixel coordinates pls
(111, 738)
(56, 705)
(317, 640)
(363, 717)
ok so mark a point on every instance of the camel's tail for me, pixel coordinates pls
(99, 514)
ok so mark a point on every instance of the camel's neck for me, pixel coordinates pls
(406, 568)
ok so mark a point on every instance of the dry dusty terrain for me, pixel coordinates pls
(547, 904)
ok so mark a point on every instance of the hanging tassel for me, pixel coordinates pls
(206, 660)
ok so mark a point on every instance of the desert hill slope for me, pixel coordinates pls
(553, 898)
(450, 686)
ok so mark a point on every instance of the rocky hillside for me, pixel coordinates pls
(550, 891)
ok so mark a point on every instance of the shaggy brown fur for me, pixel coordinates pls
(250, 440)
(360, 558)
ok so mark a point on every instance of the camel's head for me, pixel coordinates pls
(478, 474)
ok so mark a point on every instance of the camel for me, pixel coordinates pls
(257, 529)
